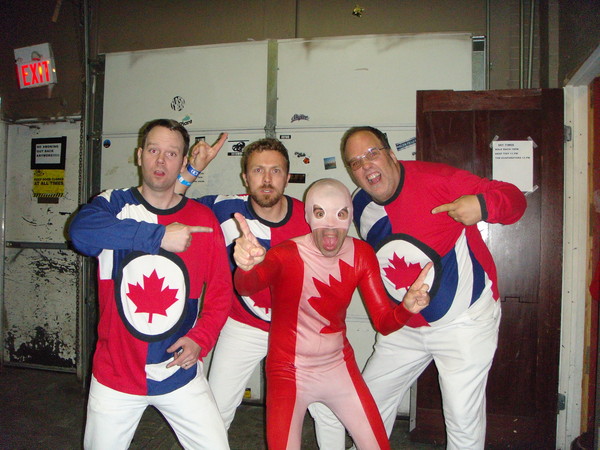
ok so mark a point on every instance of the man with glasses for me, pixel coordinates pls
(412, 213)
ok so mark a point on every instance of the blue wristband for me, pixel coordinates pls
(193, 171)
(183, 180)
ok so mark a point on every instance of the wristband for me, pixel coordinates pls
(193, 171)
(183, 180)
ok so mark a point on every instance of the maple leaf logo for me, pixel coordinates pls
(326, 305)
(152, 298)
(402, 275)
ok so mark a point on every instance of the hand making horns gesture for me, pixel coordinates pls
(202, 153)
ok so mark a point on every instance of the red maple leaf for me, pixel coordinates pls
(152, 298)
(262, 299)
(326, 304)
(402, 274)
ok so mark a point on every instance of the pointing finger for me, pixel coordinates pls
(241, 220)
(222, 139)
(244, 227)
(444, 208)
(420, 281)
(199, 229)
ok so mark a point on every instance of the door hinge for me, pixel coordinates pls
(568, 133)
(562, 403)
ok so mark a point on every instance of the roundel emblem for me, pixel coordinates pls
(151, 293)
(401, 259)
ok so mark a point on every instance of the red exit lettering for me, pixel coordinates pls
(35, 73)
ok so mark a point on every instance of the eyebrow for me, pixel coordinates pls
(157, 144)
(267, 166)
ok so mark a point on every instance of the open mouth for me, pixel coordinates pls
(374, 178)
(330, 241)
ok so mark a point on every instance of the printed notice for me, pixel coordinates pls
(48, 153)
(48, 183)
(513, 163)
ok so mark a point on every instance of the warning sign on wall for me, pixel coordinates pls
(48, 183)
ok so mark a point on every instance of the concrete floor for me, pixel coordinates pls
(45, 410)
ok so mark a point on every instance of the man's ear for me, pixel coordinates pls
(139, 156)
(245, 180)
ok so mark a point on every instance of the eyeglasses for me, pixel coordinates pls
(370, 155)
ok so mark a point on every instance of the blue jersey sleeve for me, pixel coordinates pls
(96, 227)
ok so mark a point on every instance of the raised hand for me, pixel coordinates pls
(202, 153)
(247, 252)
(178, 237)
(417, 296)
(465, 209)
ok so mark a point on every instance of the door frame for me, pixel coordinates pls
(3, 177)
(575, 253)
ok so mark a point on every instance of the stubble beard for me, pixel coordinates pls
(266, 201)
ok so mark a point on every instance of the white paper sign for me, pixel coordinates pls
(48, 153)
(513, 163)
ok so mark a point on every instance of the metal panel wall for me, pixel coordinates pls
(208, 87)
(349, 81)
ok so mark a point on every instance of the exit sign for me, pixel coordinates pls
(35, 66)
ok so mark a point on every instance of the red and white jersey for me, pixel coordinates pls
(148, 297)
(406, 236)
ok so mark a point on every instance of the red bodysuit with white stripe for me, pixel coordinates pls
(309, 358)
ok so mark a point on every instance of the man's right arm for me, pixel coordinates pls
(96, 227)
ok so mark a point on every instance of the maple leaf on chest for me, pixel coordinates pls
(400, 273)
(152, 298)
(334, 298)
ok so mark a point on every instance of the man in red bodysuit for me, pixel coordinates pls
(312, 279)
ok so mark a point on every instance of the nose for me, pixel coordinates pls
(366, 163)
(330, 220)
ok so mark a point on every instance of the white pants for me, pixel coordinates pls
(238, 352)
(462, 351)
(113, 416)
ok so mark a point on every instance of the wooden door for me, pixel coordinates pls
(457, 128)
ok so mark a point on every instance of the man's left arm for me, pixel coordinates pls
(218, 293)
(479, 199)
